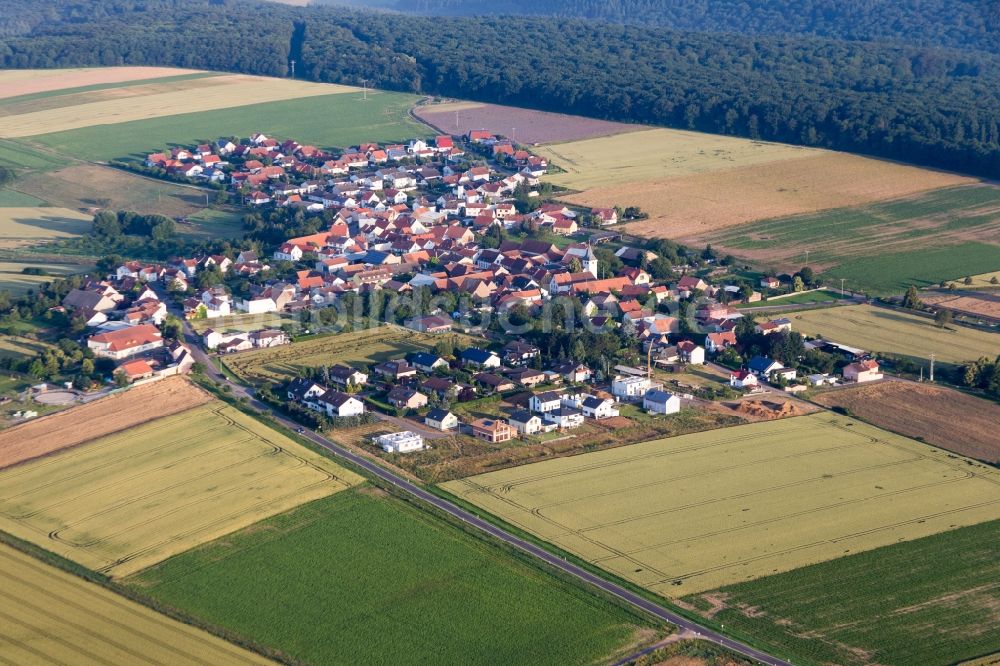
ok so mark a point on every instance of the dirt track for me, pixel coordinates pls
(81, 424)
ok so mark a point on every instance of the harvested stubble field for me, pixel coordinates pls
(21, 227)
(99, 418)
(523, 125)
(14, 347)
(18, 82)
(694, 512)
(927, 221)
(50, 616)
(981, 281)
(968, 302)
(943, 417)
(357, 349)
(394, 585)
(925, 602)
(898, 334)
(141, 495)
(184, 97)
(693, 206)
(14, 280)
(84, 187)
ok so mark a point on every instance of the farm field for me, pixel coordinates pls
(966, 302)
(84, 187)
(920, 603)
(982, 281)
(13, 280)
(18, 82)
(20, 227)
(244, 322)
(897, 333)
(356, 349)
(325, 120)
(53, 617)
(696, 512)
(150, 100)
(943, 417)
(15, 155)
(919, 240)
(393, 585)
(96, 419)
(694, 205)
(12, 346)
(15, 199)
(141, 495)
(528, 126)
(805, 298)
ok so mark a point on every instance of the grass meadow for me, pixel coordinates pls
(897, 333)
(53, 617)
(364, 578)
(328, 120)
(920, 603)
(695, 512)
(128, 500)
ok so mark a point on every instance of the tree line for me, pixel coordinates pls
(922, 104)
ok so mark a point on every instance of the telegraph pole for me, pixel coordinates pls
(932, 369)
(841, 286)
(293, 68)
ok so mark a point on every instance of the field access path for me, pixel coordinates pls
(474, 521)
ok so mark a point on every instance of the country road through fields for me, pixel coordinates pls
(579, 573)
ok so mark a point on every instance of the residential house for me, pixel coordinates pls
(691, 353)
(630, 387)
(716, 342)
(396, 370)
(525, 422)
(763, 366)
(345, 375)
(564, 417)
(492, 430)
(545, 402)
(301, 389)
(479, 358)
(402, 397)
(400, 442)
(441, 419)
(126, 342)
(527, 377)
(336, 404)
(426, 362)
(661, 402)
(431, 324)
(742, 379)
(862, 371)
(519, 353)
(599, 408)
(572, 372)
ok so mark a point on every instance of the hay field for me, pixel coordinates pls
(191, 96)
(695, 512)
(20, 227)
(898, 333)
(139, 496)
(96, 419)
(16, 282)
(656, 154)
(940, 416)
(17, 82)
(981, 281)
(522, 125)
(16, 347)
(50, 616)
(693, 206)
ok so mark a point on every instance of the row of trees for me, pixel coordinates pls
(922, 104)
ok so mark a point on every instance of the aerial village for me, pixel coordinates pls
(446, 219)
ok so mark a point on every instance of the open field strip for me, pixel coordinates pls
(17, 82)
(15, 199)
(12, 346)
(981, 281)
(28, 226)
(326, 120)
(98, 418)
(220, 92)
(925, 602)
(13, 280)
(49, 616)
(365, 578)
(695, 512)
(134, 498)
(897, 333)
(357, 349)
(656, 154)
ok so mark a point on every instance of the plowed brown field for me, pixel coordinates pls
(97, 419)
(945, 418)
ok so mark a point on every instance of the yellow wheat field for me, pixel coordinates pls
(16, 82)
(630, 158)
(20, 227)
(51, 617)
(132, 499)
(219, 92)
(697, 512)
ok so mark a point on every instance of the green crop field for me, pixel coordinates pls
(362, 578)
(897, 333)
(48, 616)
(699, 511)
(943, 234)
(925, 602)
(807, 298)
(357, 349)
(14, 280)
(14, 347)
(329, 120)
(16, 155)
(15, 199)
(130, 499)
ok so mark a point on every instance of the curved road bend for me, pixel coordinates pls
(497, 532)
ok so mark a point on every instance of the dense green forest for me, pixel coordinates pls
(927, 105)
(954, 23)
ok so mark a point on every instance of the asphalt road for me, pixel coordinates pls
(468, 518)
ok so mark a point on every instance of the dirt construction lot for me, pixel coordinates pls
(97, 419)
(138, 496)
(754, 187)
(691, 513)
(523, 125)
(949, 419)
